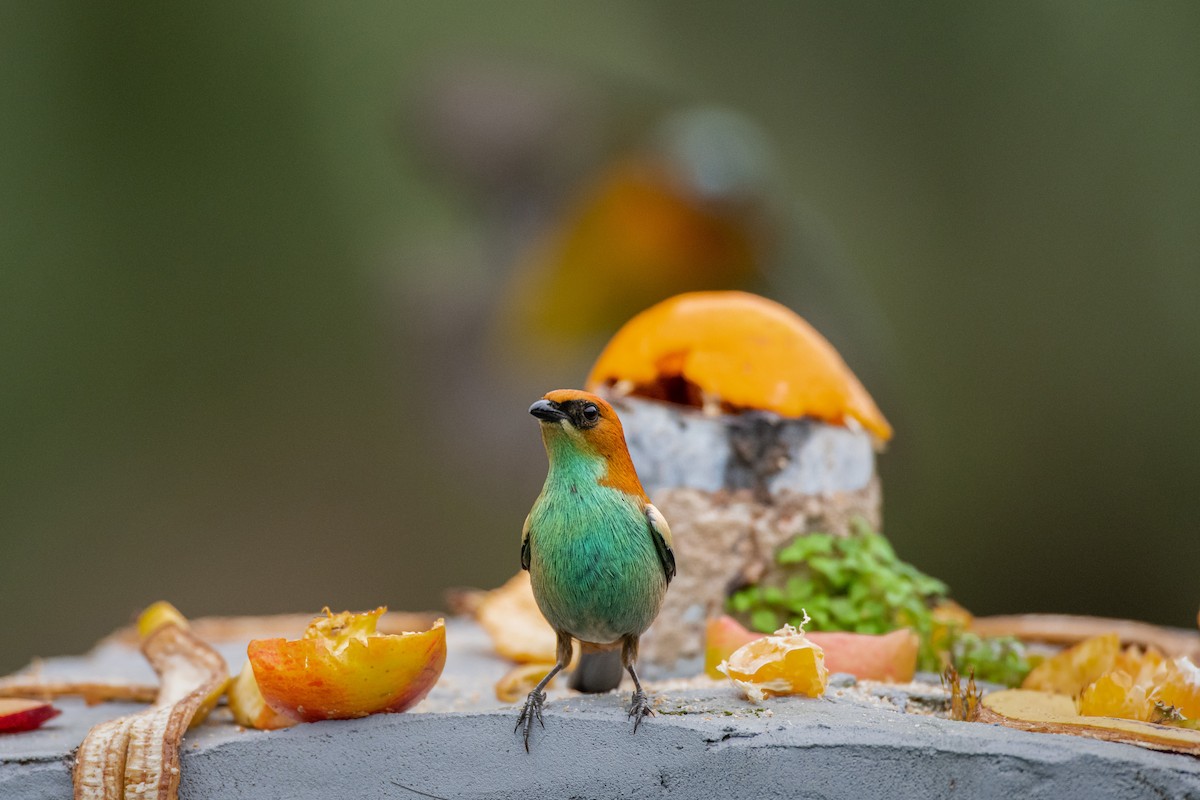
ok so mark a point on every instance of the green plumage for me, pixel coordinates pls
(598, 553)
(596, 570)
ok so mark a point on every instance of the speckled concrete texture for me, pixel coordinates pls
(705, 742)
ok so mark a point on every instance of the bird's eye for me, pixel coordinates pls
(591, 413)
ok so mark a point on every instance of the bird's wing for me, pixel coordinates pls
(525, 543)
(662, 540)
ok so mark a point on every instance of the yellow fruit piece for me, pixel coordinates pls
(1114, 694)
(1178, 686)
(741, 349)
(248, 707)
(1139, 665)
(521, 680)
(157, 615)
(1046, 712)
(781, 664)
(1076, 668)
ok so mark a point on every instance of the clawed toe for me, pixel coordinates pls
(640, 708)
(529, 712)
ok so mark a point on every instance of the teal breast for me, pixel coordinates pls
(594, 568)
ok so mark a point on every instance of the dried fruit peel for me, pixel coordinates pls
(1049, 712)
(91, 692)
(783, 663)
(138, 755)
(343, 669)
(510, 616)
(745, 350)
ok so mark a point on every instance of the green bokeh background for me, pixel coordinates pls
(212, 223)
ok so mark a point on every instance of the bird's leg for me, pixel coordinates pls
(640, 707)
(533, 703)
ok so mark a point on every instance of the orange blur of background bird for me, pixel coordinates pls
(687, 210)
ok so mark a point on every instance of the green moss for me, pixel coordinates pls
(856, 583)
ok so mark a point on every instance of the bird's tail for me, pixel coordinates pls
(598, 671)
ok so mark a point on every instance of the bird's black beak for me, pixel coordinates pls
(547, 411)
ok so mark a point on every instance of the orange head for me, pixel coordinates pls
(580, 423)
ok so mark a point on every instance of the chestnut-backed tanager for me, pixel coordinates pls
(598, 552)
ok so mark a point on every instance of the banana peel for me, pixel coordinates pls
(1050, 712)
(137, 756)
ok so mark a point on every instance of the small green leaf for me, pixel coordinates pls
(764, 620)
(843, 611)
(741, 601)
(802, 548)
(798, 588)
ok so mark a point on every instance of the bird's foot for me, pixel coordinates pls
(640, 708)
(532, 710)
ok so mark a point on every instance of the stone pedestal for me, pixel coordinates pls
(735, 488)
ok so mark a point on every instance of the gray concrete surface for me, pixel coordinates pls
(705, 742)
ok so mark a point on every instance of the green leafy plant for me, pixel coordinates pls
(856, 583)
(997, 659)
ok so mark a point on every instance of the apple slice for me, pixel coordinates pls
(24, 715)
(248, 707)
(343, 669)
(879, 657)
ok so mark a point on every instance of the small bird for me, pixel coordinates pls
(598, 552)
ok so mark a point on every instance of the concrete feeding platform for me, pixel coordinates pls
(705, 742)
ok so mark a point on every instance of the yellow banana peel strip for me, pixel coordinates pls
(1048, 712)
(136, 757)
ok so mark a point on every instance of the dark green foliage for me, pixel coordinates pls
(852, 583)
(999, 659)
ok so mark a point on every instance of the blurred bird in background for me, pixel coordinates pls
(688, 209)
(594, 204)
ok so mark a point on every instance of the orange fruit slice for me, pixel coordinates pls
(746, 351)
(1076, 668)
(784, 663)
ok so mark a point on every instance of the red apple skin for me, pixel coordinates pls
(306, 681)
(24, 715)
(878, 657)
(868, 656)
